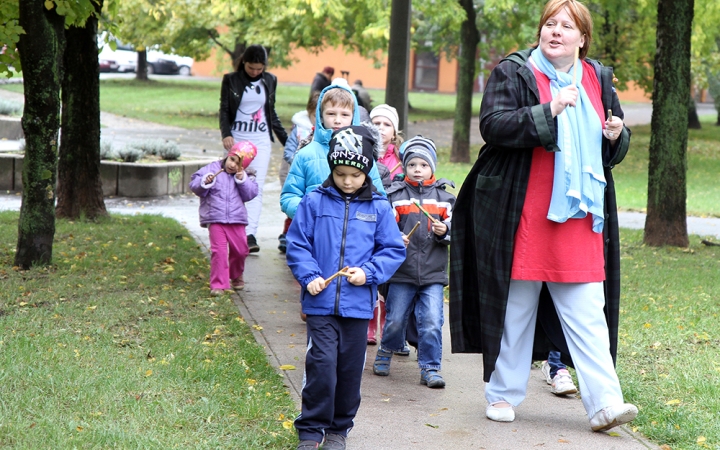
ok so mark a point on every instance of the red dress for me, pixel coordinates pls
(544, 250)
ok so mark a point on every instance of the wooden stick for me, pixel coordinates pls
(218, 172)
(337, 274)
(577, 64)
(413, 230)
(396, 166)
(426, 213)
(609, 114)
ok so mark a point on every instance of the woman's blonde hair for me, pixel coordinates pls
(579, 13)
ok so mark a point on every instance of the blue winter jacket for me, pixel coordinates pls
(223, 200)
(330, 232)
(310, 168)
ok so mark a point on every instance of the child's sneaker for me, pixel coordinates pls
(217, 292)
(381, 366)
(334, 442)
(307, 445)
(563, 384)
(546, 372)
(282, 243)
(238, 283)
(431, 378)
(404, 352)
(252, 244)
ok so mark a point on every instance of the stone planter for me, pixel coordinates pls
(11, 128)
(119, 179)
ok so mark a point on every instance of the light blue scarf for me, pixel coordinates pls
(579, 180)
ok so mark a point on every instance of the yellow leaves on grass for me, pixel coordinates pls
(148, 373)
(673, 402)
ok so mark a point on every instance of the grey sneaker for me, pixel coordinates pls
(334, 442)
(381, 366)
(307, 445)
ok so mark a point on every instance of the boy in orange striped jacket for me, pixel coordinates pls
(423, 210)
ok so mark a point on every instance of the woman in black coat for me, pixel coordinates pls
(524, 279)
(247, 113)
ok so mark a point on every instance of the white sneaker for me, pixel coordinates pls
(546, 371)
(506, 414)
(562, 384)
(613, 416)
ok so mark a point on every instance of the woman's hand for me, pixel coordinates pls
(613, 128)
(406, 240)
(316, 286)
(357, 276)
(566, 97)
(228, 142)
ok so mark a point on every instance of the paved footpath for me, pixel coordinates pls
(396, 411)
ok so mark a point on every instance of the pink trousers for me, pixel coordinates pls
(228, 247)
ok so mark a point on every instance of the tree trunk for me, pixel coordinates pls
(666, 222)
(396, 86)
(79, 190)
(142, 66)
(237, 53)
(693, 119)
(469, 39)
(41, 49)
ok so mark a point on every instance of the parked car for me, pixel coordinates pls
(122, 59)
(184, 63)
(162, 66)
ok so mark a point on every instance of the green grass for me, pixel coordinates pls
(194, 104)
(703, 155)
(669, 341)
(119, 345)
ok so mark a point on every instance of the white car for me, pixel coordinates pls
(122, 59)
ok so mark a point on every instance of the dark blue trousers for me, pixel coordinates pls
(334, 363)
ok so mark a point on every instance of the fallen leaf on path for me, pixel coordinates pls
(287, 367)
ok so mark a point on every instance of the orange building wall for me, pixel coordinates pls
(308, 64)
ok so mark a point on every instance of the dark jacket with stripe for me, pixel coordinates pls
(427, 254)
(488, 209)
(231, 92)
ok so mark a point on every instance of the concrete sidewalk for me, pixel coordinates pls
(396, 411)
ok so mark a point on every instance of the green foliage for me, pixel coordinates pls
(10, 31)
(119, 345)
(107, 151)
(130, 154)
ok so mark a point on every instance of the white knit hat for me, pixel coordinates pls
(386, 111)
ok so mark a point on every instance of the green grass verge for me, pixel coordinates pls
(669, 343)
(703, 156)
(194, 104)
(119, 345)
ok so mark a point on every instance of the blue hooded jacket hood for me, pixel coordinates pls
(323, 135)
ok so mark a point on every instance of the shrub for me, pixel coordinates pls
(151, 146)
(10, 108)
(169, 152)
(130, 154)
(106, 150)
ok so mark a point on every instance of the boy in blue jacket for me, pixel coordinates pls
(336, 108)
(344, 226)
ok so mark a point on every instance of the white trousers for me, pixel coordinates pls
(254, 206)
(580, 309)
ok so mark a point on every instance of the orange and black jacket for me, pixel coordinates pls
(427, 253)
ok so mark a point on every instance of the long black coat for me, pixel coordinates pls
(231, 93)
(488, 209)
